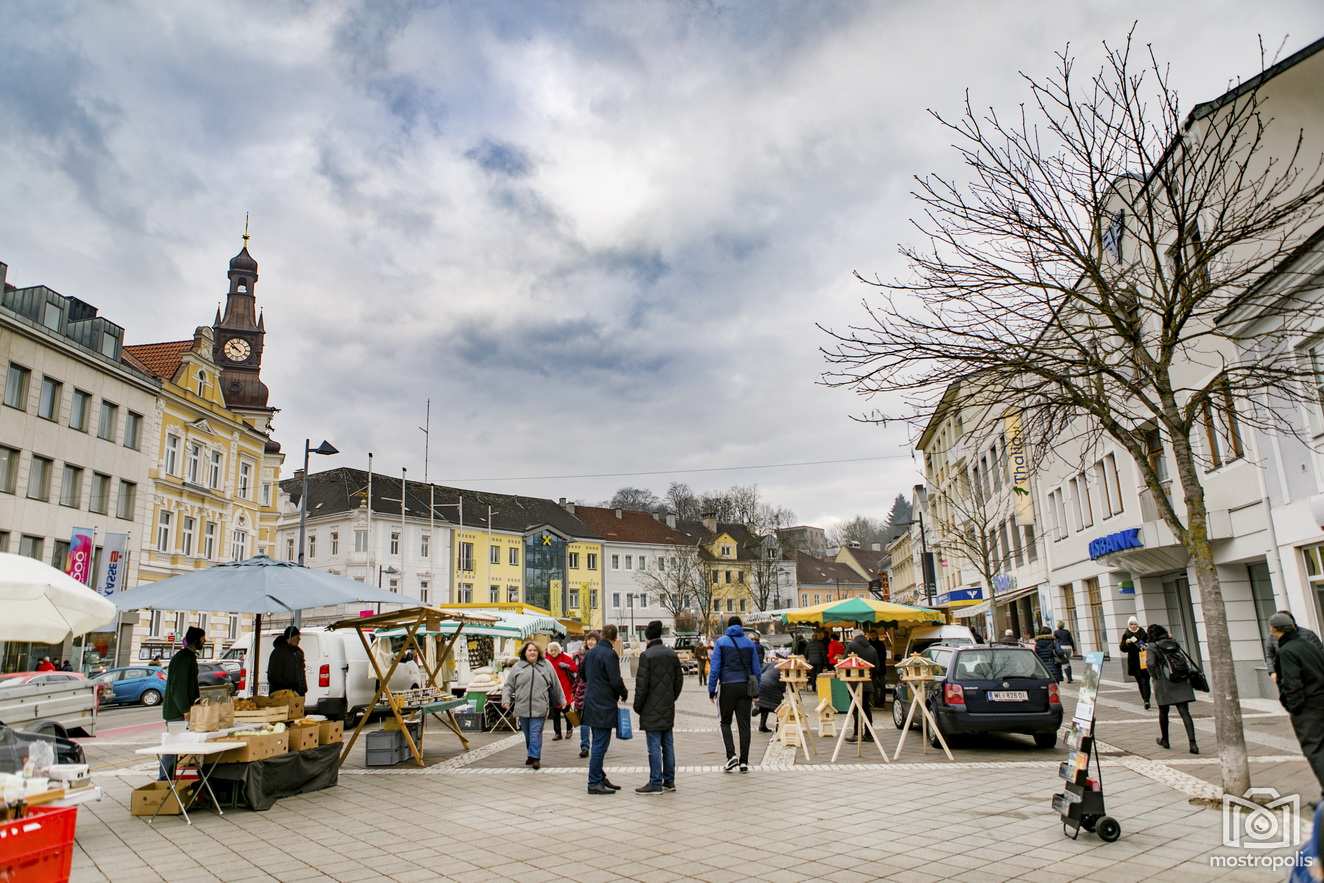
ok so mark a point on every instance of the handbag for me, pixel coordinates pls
(751, 682)
(572, 715)
(623, 729)
(1196, 678)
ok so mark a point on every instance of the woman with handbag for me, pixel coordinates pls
(1174, 676)
(531, 691)
(564, 666)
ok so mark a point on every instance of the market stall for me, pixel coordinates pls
(430, 699)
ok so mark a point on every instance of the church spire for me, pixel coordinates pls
(245, 231)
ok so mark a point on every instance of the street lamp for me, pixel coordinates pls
(326, 449)
(388, 570)
(923, 561)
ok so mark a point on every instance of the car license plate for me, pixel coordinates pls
(1009, 696)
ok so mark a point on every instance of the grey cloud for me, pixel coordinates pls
(500, 158)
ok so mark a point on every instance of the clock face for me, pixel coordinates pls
(237, 350)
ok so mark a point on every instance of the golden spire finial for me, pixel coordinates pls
(245, 229)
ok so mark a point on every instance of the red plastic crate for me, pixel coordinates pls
(38, 848)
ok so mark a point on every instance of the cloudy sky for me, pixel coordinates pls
(598, 236)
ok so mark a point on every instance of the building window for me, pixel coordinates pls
(39, 478)
(730, 605)
(180, 623)
(171, 454)
(110, 414)
(186, 527)
(99, 502)
(8, 470)
(1031, 552)
(728, 577)
(743, 603)
(1316, 356)
(1114, 483)
(335, 543)
(616, 600)
(128, 500)
(394, 585)
(232, 628)
(466, 554)
(133, 428)
(574, 599)
(616, 562)
(16, 387)
(60, 554)
(1221, 428)
(154, 623)
(312, 545)
(289, 549)
(266, 493)
(592, 561)
(423, 591)
(643, 563)
(71, 486)
(360, 541)
(661, 563)
(493, 554)
(726, 551)
(202, 383)
(163, 531)
(395, 542)
(494, 594)
(31, 547)
(512, 557)
(48, 403)
(214, 470)
(51, 315)
(239, 544)
(424, 545)
(1086, 504)
(574, 560)
(194, 462)
(740, 576)
(466, 593)
(643, 599)
(512, 594)
(593, 599)
(629, 562)
(209, 543)
(717, 605)
(79, 406)
(1105, 492)
(245, 479)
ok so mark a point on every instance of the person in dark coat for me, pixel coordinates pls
(800, 645)
(1169, 690)
(771, 691)
(1049, 653)
(861, 647)
(657, 686)
(181, 689)
(816, 655)
(1299, 670)
(589, 643)
(285, 665)
(1133, 645)
(1305, 634)
(1067, 642)
(880, 674)
(603, 688)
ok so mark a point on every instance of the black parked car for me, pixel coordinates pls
(990, 689)
(213, 674)
(14, 748)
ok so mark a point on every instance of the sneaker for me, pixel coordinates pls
(1161, 742)
(668, 786)
(528, 761)
(731, 764)
(537, 764)
(649, 789)
(556, 738)
(764, 730)
(744, 767)
(599, 789)
(583, 752)
(608, 783)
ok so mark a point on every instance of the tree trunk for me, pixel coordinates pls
(1228, 727)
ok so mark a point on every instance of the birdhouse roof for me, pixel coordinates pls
(794, 663)
(853, 662)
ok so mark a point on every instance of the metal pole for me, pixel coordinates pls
(371, 540)
(432, 495)
(403, 487)
(923, 569)
(303, 525)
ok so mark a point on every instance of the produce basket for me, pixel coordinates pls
(39, 846)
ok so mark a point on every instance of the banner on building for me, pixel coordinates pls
(114, 564)
(79, 563)
(1018, 467)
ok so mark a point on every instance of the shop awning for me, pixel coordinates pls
(1010, 595)
(852, 610)
(977, 609)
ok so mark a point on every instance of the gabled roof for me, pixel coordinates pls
(869, 559)
(630, 527)
(159, 359)
(813, 571)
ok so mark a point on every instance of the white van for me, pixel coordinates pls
(341, 680)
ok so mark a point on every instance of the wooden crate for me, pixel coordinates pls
(274, 715)
(259, 747)
(291, 701)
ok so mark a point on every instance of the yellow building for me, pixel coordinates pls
(584, 573)
(728, 552)
(213, 485)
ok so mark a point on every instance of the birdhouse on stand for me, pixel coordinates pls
(917, 669)
(826, 716)
(854, 670)
(857, 673)
(794, 671)
(918, 674)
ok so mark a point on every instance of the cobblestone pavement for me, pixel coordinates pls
(482, 815)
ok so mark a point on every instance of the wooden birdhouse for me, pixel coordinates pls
(854, 670)
(916, 668)
(794, 670)
(826, 716)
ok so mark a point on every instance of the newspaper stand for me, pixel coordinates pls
(1081, 803)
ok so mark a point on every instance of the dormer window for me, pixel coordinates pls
(202, 383)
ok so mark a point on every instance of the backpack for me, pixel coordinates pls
(1175, 660)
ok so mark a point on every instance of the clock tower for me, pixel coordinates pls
(239, 333)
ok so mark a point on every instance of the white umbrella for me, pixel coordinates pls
(44, 605)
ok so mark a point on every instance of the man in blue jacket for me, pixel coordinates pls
(602, 688)
(735, 660)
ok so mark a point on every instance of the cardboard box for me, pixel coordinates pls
(303, 737)
(145, 800)
(330, 731)
(259, 747)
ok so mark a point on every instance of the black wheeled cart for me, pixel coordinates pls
(1081, 803)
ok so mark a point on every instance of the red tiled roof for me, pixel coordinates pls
(813, 571)
(631, 527)
(159, 359)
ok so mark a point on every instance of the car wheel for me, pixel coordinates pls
(150, 697)
(898, 713)
(1045, 740)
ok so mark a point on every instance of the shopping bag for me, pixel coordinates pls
(572, 715)
(623, 730)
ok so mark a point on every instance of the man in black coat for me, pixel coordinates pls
(285, 669)
(603, 687)
(1067, 642)
(861, 647)
(1299, 673)
(656, 689)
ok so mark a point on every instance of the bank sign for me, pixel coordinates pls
(1116, 542)
(974, 593)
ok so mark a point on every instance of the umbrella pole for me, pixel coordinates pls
(257, 649)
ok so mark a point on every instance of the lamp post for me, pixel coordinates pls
(388, 570)
(924, 558)
(325, 449)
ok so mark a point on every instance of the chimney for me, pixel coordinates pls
(568, 506)
(671, 521)
(854, 544)
(619, 514)
(877, 547)
(657, 517)
(561, 502)
(710, 521)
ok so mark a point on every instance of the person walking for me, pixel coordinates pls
(532, 691)
(1133, 645)
(800, 645)
(701, 651)
(1049, 653)
(1067, 642)
(877, 640)
(816, 656)
(285, 669)
(564, 666)
(1305, 634)
(1299, 671)
(45, 664)
(181, 691)
(657, 686)
(1008, 639)
(1169, 669)
(771, 690)
(735, 659)
(589, 643)
(603, 688)
(860, 646)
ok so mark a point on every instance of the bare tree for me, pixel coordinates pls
(1083, 274)
(683, 502)
(969, 528)
(636, 499)
(673, 584)
(861, 529)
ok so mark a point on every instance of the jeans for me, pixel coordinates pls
(166, 770)
(661, 757)
(598, 753)
(734, 699)
(532, 727)
(583, 737)
(1308, 724)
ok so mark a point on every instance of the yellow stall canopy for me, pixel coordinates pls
(849, 611)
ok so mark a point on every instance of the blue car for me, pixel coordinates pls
(134, 684)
